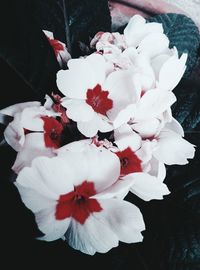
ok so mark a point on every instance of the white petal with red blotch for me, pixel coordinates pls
(126, 137)
(171, 72)
(153, 103)
(90, 128)
(81, 76)
(12, 110)
(63, 56)
(101, 165)
(148, 187)
(34, 146)
(118, 221)
(153, 45)
(173, 149)
(94, 236)
(31, 118)
(147, 128)
(14, 133)
(52, 228)
(104, 167)
(78, 110)
(137, 29)
(49, 176)
(73, 83)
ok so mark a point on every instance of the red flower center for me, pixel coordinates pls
(98, 100)
(52, 132)
(78, 204)
(130, 163)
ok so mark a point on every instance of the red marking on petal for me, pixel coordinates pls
(57, 107)
(52, 132)
(60, 109)
(142, 93)
(78, 204)
(27, 131)
(98, 100)
(130, 163)
(56, 45)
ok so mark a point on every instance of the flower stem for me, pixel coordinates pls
(67, 29)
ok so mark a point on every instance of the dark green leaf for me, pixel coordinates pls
(85, 19)
(25, 55)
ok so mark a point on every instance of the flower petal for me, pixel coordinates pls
(137, 29)
(78, 110)
(104, 167)
(157, 169)
(97, 123)
(173, 149)
(74, 87)
(146, 128)
(98, 64)
(118, 190)
(31, 118)
(91, 71)
(52, 228)
(121, 90)
(126, 137)
(153, 44)
(98, 164)
(124, 116)
(94, 236)
(33, 147)
(124, 219)
(171, 72)
(12, 110)
(48, 176)
(14, 133)
(175, 126)
(153, 103)
(33, 200)
(148, 187)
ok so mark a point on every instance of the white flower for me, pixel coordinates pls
(150, 113)
(135, 158)
(94, 101)
(73, 196)
(169, 69)
(27, 118)
(171, 147)
(110, 45)
(147, 38)
(59, 48)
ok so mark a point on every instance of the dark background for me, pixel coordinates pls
(28, 68)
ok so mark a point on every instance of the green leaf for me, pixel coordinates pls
(182, 33)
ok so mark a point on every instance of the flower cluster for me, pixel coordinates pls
(109, 133)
